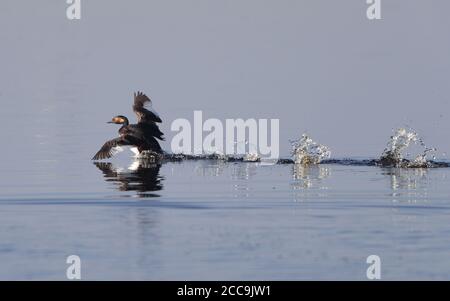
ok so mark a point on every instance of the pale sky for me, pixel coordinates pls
(320, 66)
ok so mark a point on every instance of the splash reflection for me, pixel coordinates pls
(308, 181)
(311, 176)
(409, 184)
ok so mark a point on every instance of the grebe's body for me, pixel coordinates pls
(142, 135)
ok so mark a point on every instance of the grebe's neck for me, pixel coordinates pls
(125, 121)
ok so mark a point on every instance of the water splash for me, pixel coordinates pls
(306, 151)
(394, 154)
(251, 157)
(148, 156)
(216, 156)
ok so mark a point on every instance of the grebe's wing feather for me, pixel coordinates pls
(144, 115)
(110, 148)
(144, 130)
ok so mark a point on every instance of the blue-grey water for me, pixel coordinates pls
(319, 66)
(213, 220)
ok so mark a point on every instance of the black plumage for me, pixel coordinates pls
(142, 135)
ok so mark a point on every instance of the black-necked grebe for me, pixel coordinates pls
(141, 135)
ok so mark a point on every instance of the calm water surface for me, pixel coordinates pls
(203, 220)
(312, 64)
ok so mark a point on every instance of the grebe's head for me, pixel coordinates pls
(119, 120)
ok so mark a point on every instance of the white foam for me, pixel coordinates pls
(306, 151)
(402, 139)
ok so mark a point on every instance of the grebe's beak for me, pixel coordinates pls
(110, 122)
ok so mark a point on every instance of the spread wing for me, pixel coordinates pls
(144, 115)
(110, 148)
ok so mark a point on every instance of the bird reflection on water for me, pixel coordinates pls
(142, 176)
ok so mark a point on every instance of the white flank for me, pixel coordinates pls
(135, 151)
(116, 150)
